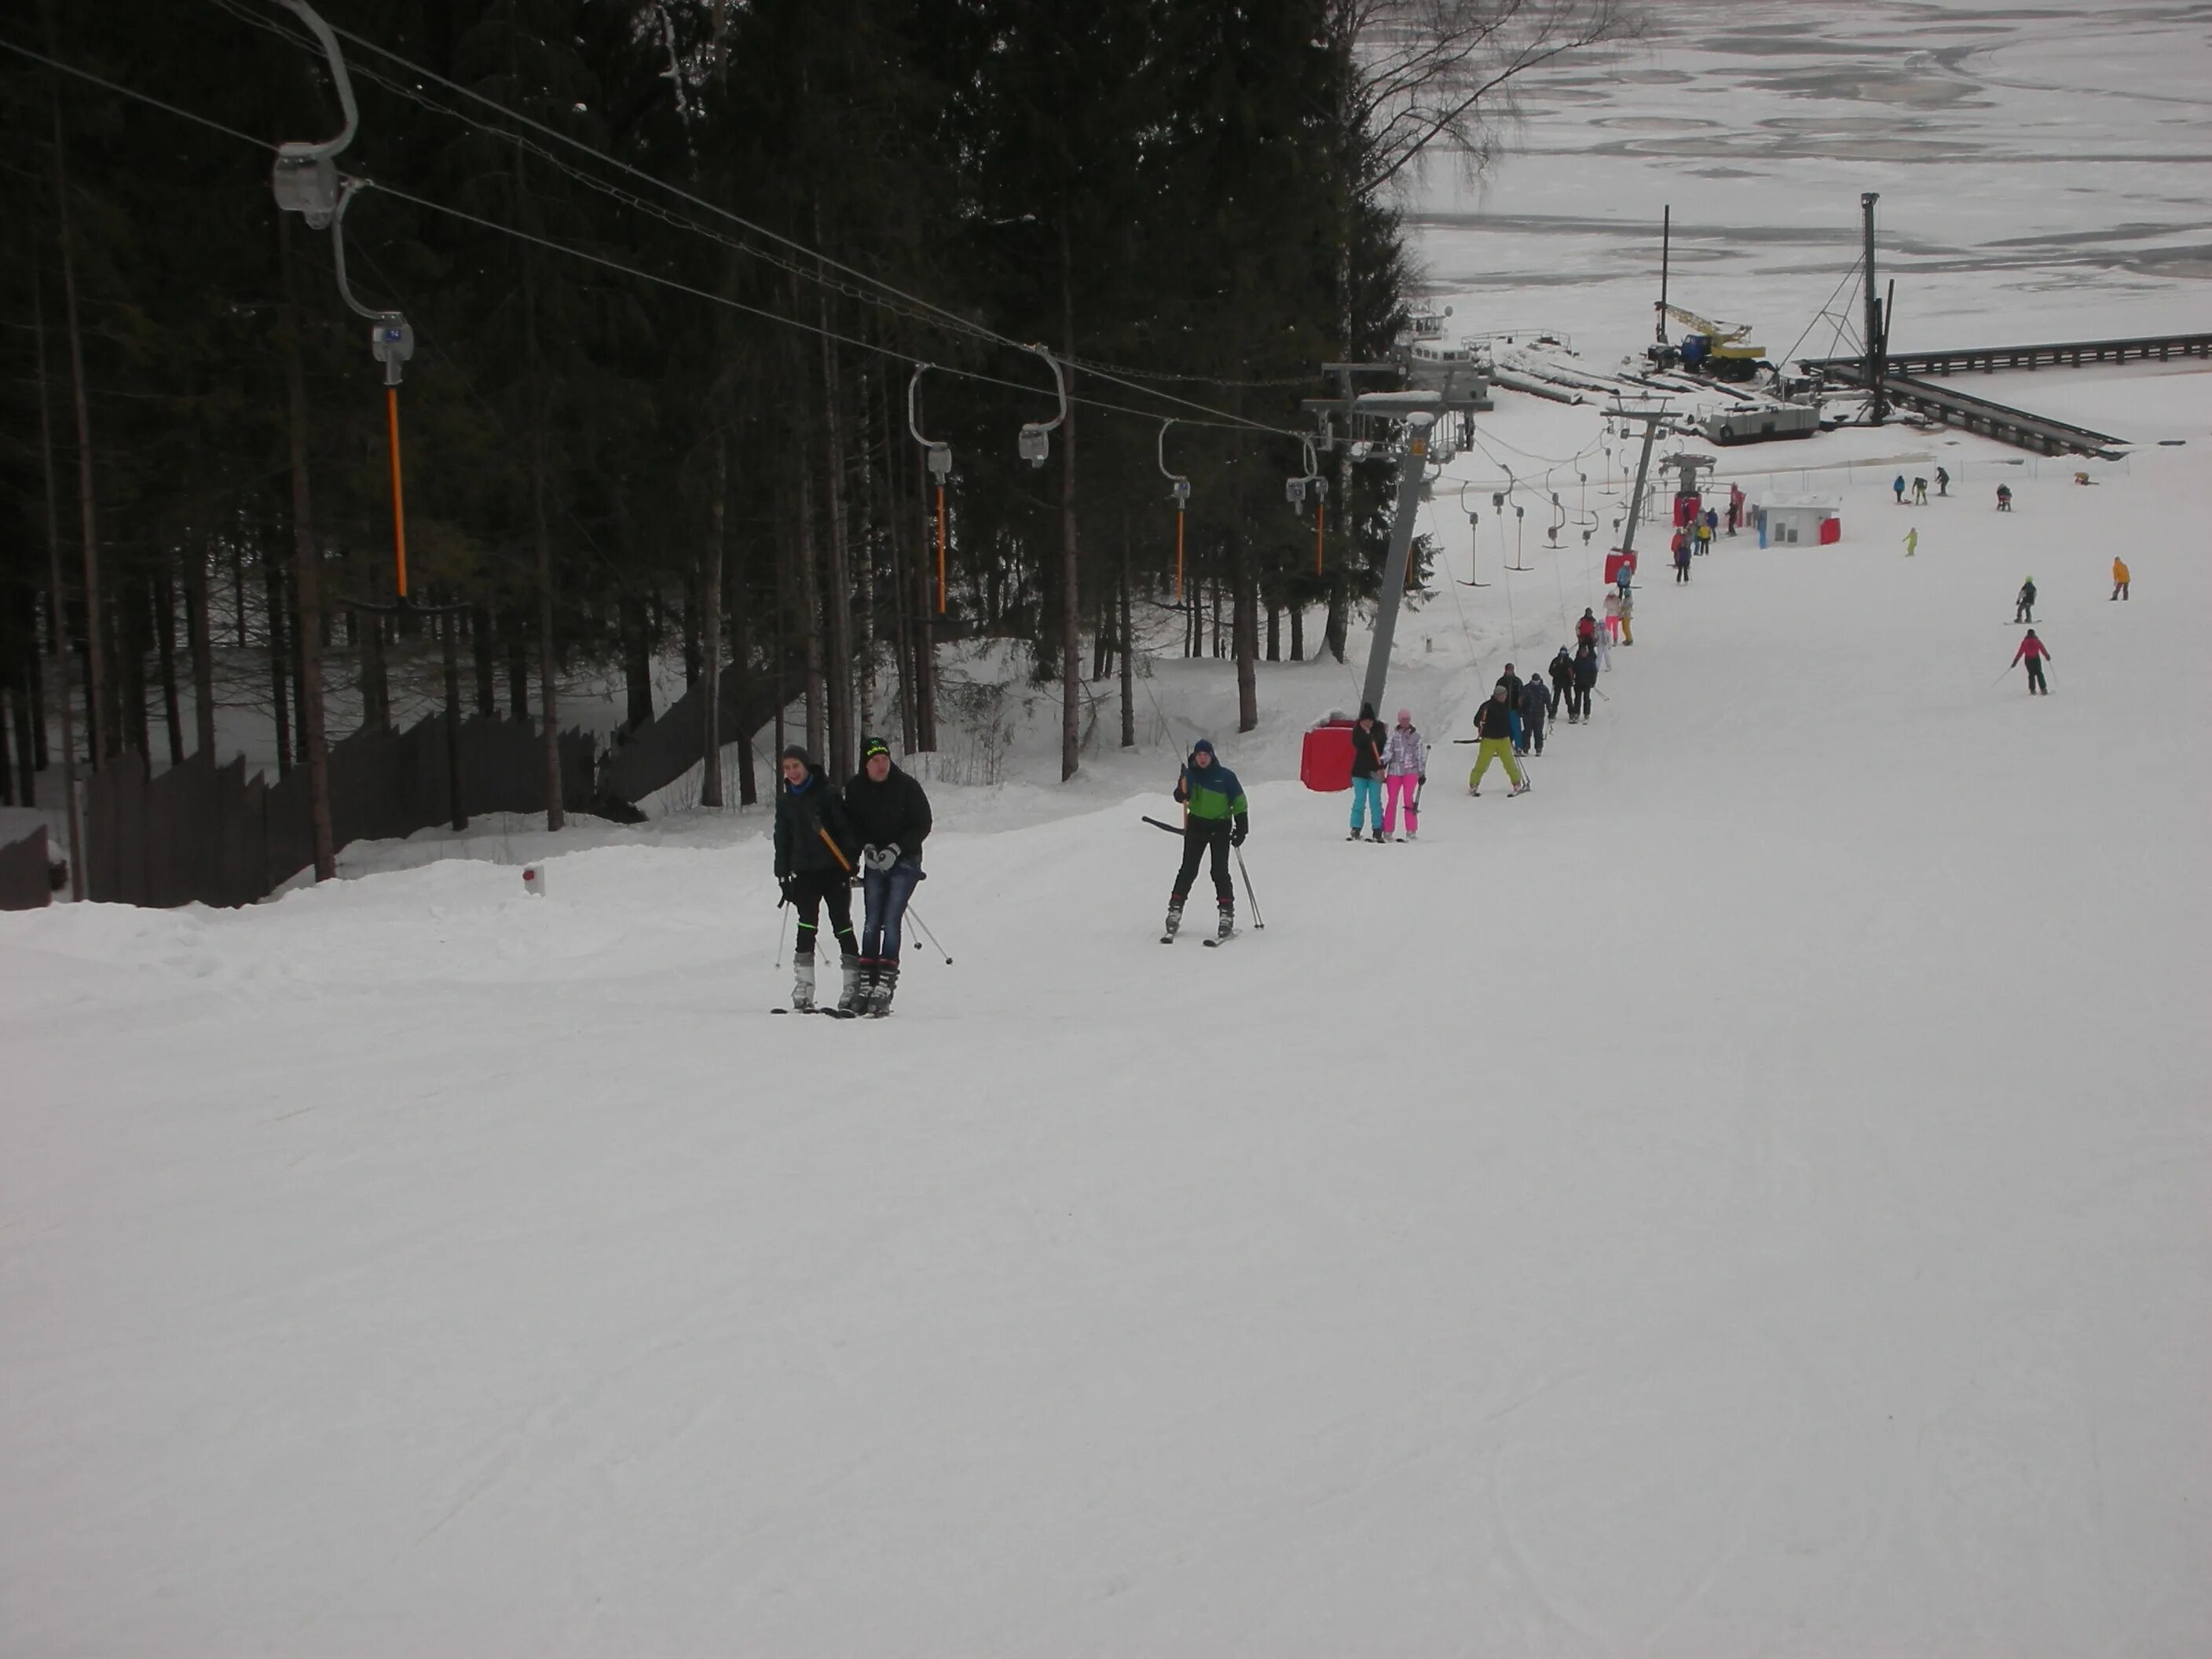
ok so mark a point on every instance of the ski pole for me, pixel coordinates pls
(1250, 897)
(2002, 672)
(780, 905)
(926, 934)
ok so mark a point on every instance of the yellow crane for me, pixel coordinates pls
(1720, 349)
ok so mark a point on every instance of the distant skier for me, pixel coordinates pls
(1601, 642)
(1215, 819)
(1511, 682)
(1626, 578)
(1494, 722)
(1405, 761)
(1920, 492)
(1585, 678)
(1681, 557)
(1535, 709)
(2004, 498)
(2035, 653)
(1367, 740)
(1911, 542)
(1627, 616)
(1736, 508)
(1711, 522)
(814, 854)
(1585, 627)
(1563, 683)
(2023, 608)
(2119, 577)
(1898, 484)
(889, 813)
(1612, 616)
(1942, 482)
(1705, 536)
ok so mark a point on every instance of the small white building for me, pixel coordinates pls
(1800, 521)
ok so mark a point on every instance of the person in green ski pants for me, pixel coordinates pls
(1494, 722)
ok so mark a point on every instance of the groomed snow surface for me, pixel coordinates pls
(1744, 1198)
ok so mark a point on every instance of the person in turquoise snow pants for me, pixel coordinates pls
(1369, 740)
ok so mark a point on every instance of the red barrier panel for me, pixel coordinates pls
(1831, 530)
(1325, 762)
(1687, 508)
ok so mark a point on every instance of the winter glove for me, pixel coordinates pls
(1237, 831)
(1423, 779)
(789, 887)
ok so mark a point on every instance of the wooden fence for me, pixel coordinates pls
(207, 834)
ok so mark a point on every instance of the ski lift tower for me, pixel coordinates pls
(1403, 424)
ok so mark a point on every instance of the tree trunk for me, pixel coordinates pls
(925, 625)
(549, 706)
(57, 629)
(200, 632)
(741, 645)
(164, 642)
(810, 601)
(1071, 616)
(487, 661)
(518, 665)
(306, 583)
(710, 605)
(1298, 632)
(449, 635)
(840, 672)
(898, 536)
(99, 731)
(134, 627)
(1128, 648)
(272, 586)
(27, 701)
(637, 663)
(690, 623)
(864, 687)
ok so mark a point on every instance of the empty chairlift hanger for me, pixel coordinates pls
(1473, 538)
(1036, 442)
(306, 182)
(940, 469)
(1179, 487)
(1294, 492)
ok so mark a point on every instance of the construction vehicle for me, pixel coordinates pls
(1721, 351)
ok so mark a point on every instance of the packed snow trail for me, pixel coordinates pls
(1744, 1197)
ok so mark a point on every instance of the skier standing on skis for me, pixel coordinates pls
(889, 813)
(1406, 762)
(1493, 721)
(1681, 557)
(1563, 683)
(1511, 682)
(1215, 819)
(1942, 482)
(1367, 740)
(2023, 608)
(1612, 616)
(1535, 709)
(2119, 577)
(2036, 654)
(815, 855)
(1920, 492)
(1585, 627)
(1627, 616)
(1585, 678)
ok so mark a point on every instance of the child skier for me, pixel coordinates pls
(1406, 763)
(815, 855)
(1215, 819)
(2036, 654)
(1494, 722)
(1367, 740)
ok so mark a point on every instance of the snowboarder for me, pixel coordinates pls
(1898, 484)
(1406, 763)
(816, 852)
(1368, 738)
(1942, 482)
(1535, 709)
(1612, 616)
(1494, 722)
(1563, 683)
(1585, 678)
(2023, 608)
(2036, 654)
(2004, 498)
(1214, 819)
(1911, 542)
(2119, 577)
(1627, 616)
(889, 813)
(1681, 557)
(1920, 492)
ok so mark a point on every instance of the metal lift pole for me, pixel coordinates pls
(1877, 330)
(1642, 474)
(1412, 466)
(1666, 240)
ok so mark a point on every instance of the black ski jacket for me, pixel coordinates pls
(1535, 700)
(1585, 668)
(1562, 673)
(800, 820)
(1495, 719)
(1367, 750)
(892, 813)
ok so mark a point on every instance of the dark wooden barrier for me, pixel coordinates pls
(24, 884)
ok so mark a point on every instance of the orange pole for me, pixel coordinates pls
(941, 549)
(1320, 517)
(1178, 555)
(398, 497)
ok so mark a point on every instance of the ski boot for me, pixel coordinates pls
(849, 998)
(1354, 836)
(886, 983)
(802, 985)
(1521, 788)
(1174, 923)
(1227, 925)
(1378, 837)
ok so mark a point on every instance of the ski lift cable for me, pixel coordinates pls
(937, 315)
(131, 93)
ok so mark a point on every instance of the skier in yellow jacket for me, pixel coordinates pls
(2119, 577)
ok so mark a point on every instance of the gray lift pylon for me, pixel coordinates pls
(1412, 467)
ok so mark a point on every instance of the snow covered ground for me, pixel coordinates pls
(1744, 1198)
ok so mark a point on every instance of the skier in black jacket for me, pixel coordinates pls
(815, 854)
(1563, 683)
(1535, 709)
(890, 814)
(1368, 740)
(1585, 678)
